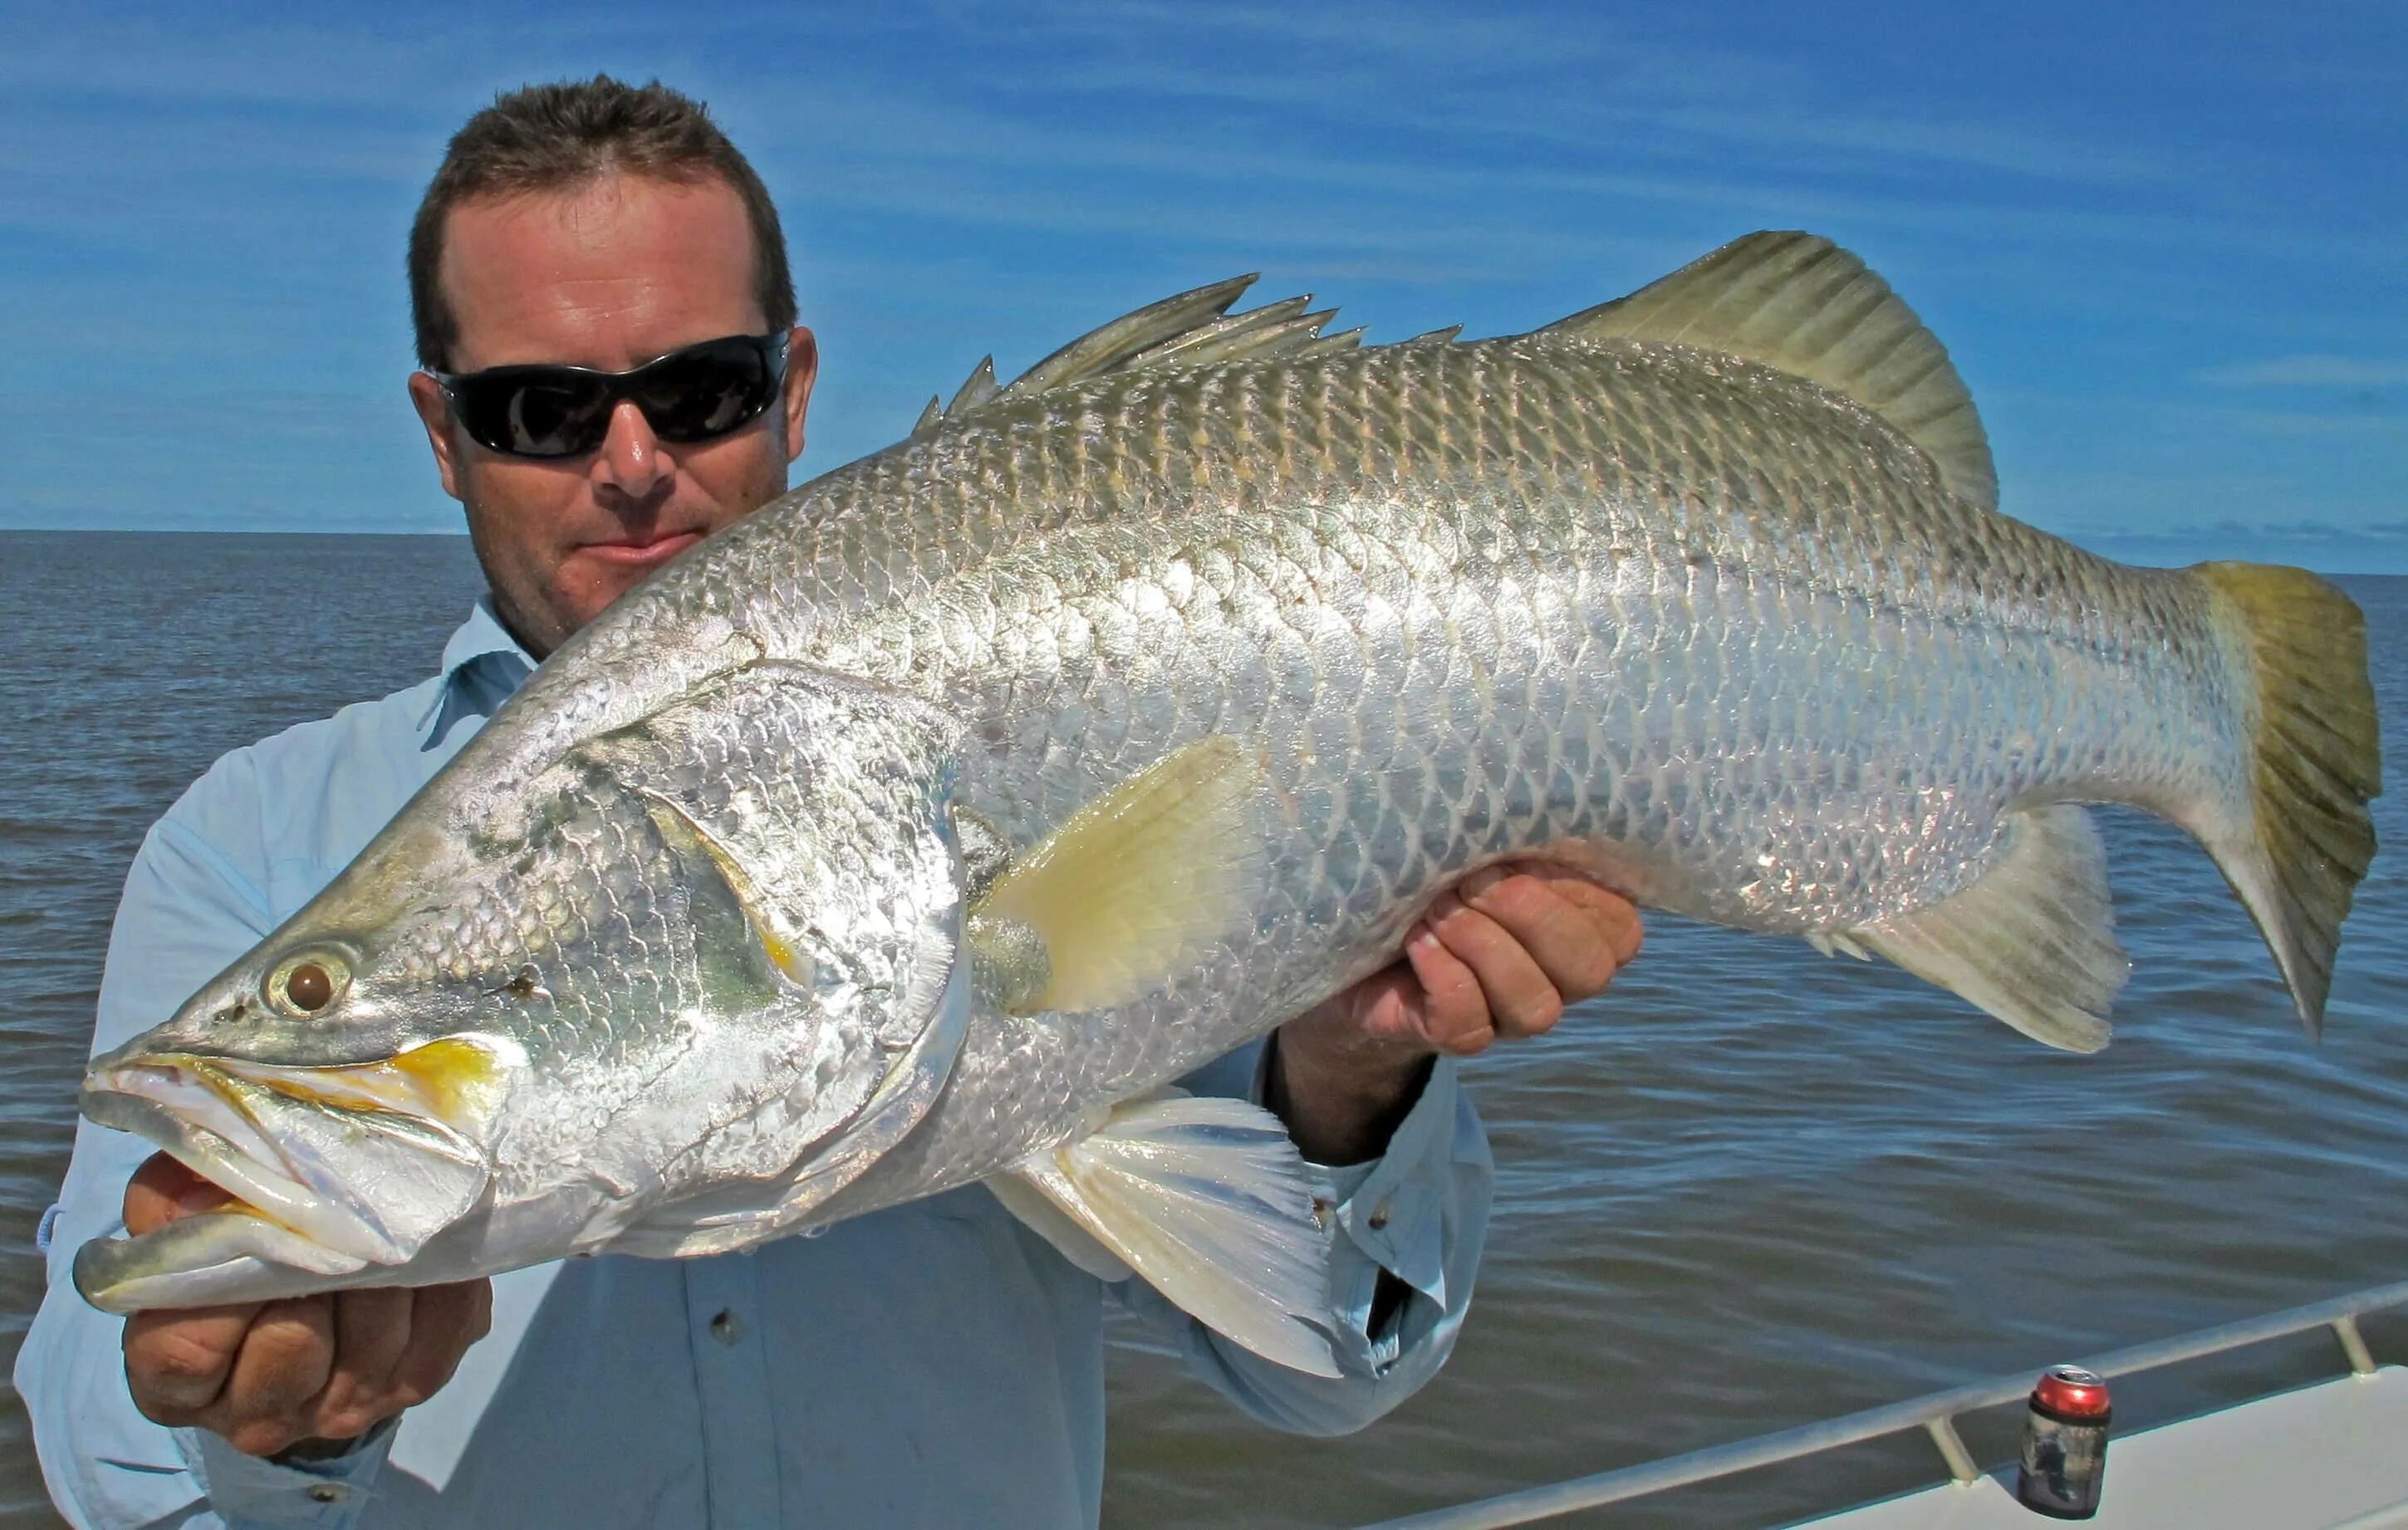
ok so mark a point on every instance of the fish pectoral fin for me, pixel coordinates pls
(2032, 940)
(1801, 305)
(1132, 887)
(1206, 1199)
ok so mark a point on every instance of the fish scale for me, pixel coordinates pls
(802, 882)
(1668, 751)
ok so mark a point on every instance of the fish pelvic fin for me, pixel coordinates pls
(1130, 888)
(1801, 305)
(2296, 852)
(1206, 1199)
(2032, 941)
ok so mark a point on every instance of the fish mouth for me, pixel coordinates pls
(365, 1161)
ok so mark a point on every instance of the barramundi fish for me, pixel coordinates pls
(920, 829)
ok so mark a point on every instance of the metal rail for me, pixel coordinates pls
(1935, 1414)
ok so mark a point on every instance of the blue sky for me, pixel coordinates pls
(2164, 242)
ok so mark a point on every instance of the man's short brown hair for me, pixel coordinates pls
(560, 138)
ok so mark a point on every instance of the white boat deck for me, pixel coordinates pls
(2333, 1456)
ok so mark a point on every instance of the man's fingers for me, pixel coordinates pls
(448, 1319)
(1383, 1006)
(1455, 1016)
(1521, 999)
(1615, 916)
(162, 1190)
(285, 1359)
(1576, 933)
(177, 1362)
(372, 1330)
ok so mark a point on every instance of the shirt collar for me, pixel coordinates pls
(481, 663)
(480, 634)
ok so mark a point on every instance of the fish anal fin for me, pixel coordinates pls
(2032, 941)
(1133, 886)
(1206, 1199)
(1800, 303)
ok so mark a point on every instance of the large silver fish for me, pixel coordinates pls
(919, 829)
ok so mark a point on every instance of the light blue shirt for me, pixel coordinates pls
(932, 1364)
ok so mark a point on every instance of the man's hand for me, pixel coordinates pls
(1501, 955)
(308, 1371)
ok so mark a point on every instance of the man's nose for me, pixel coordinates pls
(631, 460)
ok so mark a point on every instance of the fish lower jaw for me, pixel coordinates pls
(200, 1129)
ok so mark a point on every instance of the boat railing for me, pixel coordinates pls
(1935, 1414)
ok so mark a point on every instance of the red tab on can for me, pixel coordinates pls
(2071, 1393)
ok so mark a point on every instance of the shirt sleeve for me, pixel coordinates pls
(1414, 1220)
(191, 906)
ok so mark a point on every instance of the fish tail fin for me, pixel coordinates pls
(2296, 849)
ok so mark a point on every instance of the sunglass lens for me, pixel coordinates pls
(546, 421)
(706, 392)
(536, 417)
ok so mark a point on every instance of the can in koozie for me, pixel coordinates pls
(2065, 1444)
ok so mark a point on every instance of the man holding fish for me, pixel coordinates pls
(614, 373)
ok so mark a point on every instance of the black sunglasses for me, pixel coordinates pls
(692, 394)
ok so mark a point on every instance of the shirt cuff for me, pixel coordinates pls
(325, 1494)
(1389, 1215)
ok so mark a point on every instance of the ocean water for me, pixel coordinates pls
(1748, 1188)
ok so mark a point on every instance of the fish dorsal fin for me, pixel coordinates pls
(1800, 304)
(1191, 329)
(2032, 940)
(975, 389)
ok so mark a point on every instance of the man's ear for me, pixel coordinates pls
(802, 370)
(426, 396)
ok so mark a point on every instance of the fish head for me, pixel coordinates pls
(336, 1094)
(658, 970)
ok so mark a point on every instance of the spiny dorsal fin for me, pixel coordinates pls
(1104, 349)
(1801, 304)
(1193, 329)
(976, 389)
(1328, 345)
(1208, 340)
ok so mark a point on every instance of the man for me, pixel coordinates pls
(931, 1364)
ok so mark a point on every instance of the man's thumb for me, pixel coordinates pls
(164, 1190)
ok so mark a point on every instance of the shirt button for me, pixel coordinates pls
(329, 1493)
(726, 1327)
(1380, 1216)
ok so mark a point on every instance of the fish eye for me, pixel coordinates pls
(308, 984)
